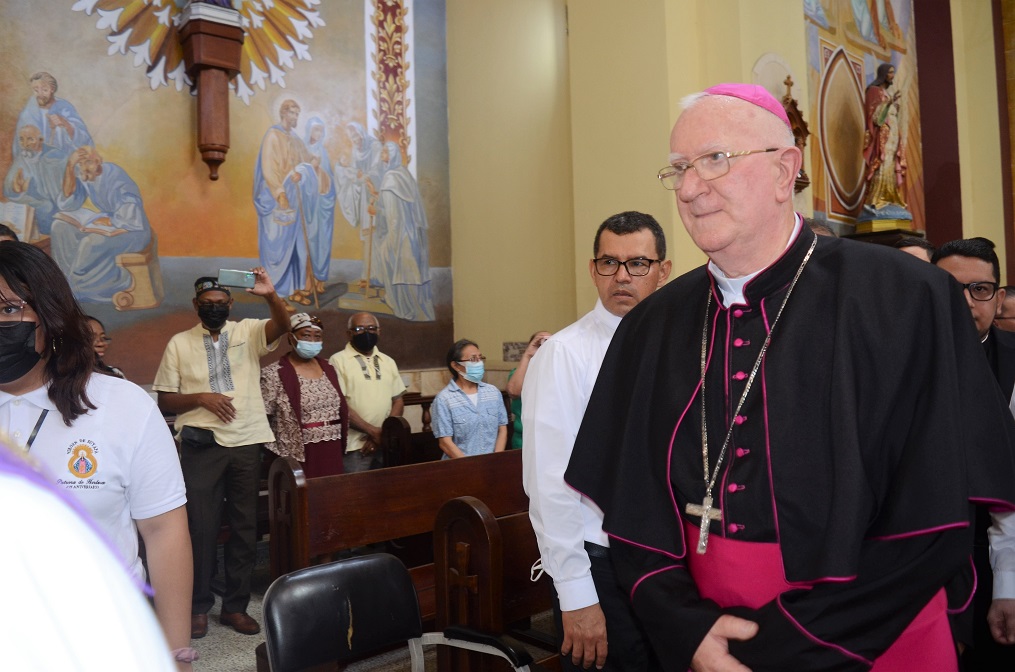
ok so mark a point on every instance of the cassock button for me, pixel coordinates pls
(741, 452)
(738, 313)
(740, 419)
(735, 487)
(734, 528)
(739, 375)
(738, 342)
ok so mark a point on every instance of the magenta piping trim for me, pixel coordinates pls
(650, 574)
(821, 642)
(643, 546)
(917, 533)
(729, 409)
(768, 440)
(995, 504)
(673, 436)
(972, 592)
(797, 219)
(824, 579)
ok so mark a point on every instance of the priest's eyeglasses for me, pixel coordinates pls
(981, 291)
(634, 267)
(708, 166)
(373, 329)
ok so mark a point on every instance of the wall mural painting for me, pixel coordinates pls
(336, 180)
(867, 167)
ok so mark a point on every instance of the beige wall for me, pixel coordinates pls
(620, 120)
(976, 106)
(511, 204)
(560, 118)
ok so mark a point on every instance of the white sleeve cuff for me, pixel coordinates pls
(1004, 586)
(576, 593)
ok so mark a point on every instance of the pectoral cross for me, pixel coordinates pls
(707, 514)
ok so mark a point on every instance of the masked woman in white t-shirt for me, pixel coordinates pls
(99, 438)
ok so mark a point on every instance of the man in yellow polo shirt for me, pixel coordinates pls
(210, 378)
(373, 388)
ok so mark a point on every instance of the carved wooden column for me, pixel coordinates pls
(212, 39)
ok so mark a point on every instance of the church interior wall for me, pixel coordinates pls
(511, 183)
(976, 103)
(551, 131)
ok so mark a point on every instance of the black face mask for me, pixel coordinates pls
(364, 342)
(213, 316)
(17, 350)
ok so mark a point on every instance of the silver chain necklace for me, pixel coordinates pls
(705, 509)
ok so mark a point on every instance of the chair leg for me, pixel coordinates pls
(416, 654)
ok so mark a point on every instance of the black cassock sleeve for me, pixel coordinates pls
(830, 627)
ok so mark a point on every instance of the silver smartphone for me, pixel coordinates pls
(231, 278)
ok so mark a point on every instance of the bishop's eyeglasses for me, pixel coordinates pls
(981, 291)
(635, 267)
(708, 166)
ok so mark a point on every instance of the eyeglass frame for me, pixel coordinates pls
(373, 329)
(475, 359)
(968, 287)
(20, 304)
(596, 260)
(690, 164)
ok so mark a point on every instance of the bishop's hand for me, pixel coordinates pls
(713, 654)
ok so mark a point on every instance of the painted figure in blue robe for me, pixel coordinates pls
(401, 239)
(288, 185)
(357, 186)
(85, 242)
(36, 176)
(62, 127)
(321, 228)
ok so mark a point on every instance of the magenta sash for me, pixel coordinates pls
(750, 574)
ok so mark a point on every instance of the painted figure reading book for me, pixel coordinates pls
(85, 241)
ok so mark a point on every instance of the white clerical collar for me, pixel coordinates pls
(605, 316)
(732, 289)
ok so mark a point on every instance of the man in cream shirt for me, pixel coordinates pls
(372, 387)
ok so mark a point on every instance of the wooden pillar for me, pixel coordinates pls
(212, 41)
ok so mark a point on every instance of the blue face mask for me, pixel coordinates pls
(308, 349)
(474, 371)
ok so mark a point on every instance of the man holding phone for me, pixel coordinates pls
(210, 378)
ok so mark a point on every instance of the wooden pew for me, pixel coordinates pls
(400, 445)
(482, 568)
(310, 519)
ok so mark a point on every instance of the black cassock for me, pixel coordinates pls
(872, 424)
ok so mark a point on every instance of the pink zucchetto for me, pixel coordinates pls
(753, 94)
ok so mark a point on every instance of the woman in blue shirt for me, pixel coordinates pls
(469, 417)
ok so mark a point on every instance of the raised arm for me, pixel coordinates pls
(279, 323)
(514, 386)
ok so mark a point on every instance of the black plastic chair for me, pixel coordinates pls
(346, 610)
